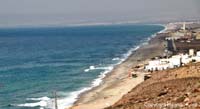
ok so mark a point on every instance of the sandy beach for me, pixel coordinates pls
(117, 83)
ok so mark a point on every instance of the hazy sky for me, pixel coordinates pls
(61, 12)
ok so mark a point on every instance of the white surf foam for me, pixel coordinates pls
(102, 75)
(90, 68)
(39, 99)
(73, 96)
(116, 59)
(69, 100)
(86, 70)
(96, 68)
(40, 103)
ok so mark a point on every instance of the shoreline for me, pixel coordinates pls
(117, 80)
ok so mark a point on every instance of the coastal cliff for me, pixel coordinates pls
(173, 88)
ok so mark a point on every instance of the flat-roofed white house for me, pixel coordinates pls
(173, 62)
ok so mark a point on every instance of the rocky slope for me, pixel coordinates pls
(171, 89)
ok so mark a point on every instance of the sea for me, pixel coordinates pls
(39, 63)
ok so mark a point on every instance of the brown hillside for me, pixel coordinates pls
(172, 89)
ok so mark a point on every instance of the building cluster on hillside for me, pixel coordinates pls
(180, 40)
(173, 62)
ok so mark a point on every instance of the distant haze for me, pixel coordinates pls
(63, 12)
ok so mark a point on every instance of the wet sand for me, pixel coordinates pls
(117, 83)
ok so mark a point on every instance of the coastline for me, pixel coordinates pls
(116, 83)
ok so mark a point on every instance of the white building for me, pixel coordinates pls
(173, 62)
(184, 26)
(160, 64)
(198, 53)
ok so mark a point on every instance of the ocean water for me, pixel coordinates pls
(35, 62)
